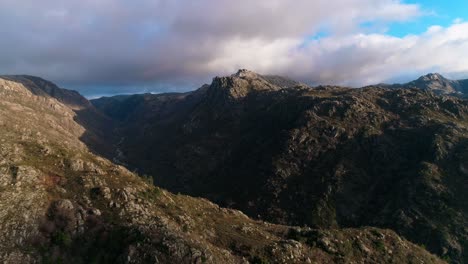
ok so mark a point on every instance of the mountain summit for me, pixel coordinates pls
(437, 83)
(240, 84)
(244, 73)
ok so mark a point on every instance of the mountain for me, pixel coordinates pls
(41, 87)
(436, 83)
(325, 157)
(61, 203)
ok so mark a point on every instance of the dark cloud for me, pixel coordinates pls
(146, 45)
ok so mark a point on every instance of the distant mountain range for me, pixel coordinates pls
(436, 83)
(347, 164)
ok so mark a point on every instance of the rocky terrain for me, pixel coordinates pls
(325, 157)
(61, 203)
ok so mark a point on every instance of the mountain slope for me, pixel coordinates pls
(323, 157)
(60, 203)
(41, 87)
(98, 126)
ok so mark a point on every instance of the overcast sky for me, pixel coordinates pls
(120, 46)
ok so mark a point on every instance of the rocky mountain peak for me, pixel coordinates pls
(244, 73)
(437, 83)
(433, 77)
(240, 84)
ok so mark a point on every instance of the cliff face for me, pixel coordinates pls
(322, 157)
(59, 202)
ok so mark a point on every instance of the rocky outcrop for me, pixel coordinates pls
(238, 86)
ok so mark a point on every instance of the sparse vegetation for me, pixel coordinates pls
(259, 260)
(380, 245)
(148, 179)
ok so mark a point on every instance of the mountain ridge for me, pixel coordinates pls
(40, 86)
(303, 155)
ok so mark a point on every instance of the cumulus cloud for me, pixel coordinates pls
(361, 59)
(153, 43)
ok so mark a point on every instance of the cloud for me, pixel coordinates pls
(152, 43)
(458, 20)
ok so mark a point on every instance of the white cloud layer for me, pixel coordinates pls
(145, 42)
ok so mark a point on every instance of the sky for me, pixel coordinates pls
(106, 47)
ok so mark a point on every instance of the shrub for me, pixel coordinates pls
(259, 260)
(148, 179)
(61, 238)
(380, 245)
